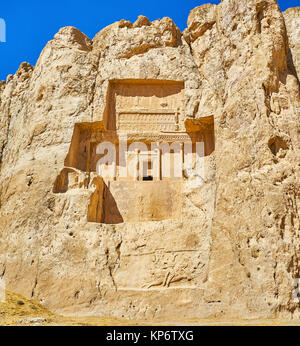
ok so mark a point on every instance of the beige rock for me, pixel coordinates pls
(292, 22)
(141, 21)
(85, 244)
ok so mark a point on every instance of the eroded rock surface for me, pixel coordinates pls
(154, 249)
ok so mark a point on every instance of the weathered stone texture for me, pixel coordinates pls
(234, 249)
(292, 22)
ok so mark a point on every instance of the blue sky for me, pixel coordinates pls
(31, 24)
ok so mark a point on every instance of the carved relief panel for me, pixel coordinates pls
(147, 106)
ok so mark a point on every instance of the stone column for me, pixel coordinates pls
(137, 165)
(156, 162)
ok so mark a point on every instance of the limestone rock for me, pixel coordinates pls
(292, 22)
(201, 19)
(227, 246)
(72, 37)
(141, 21)
(129, 41)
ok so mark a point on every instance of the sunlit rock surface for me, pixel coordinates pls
(152, 245)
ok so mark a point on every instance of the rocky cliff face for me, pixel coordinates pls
(233, 249)
(292, 21)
